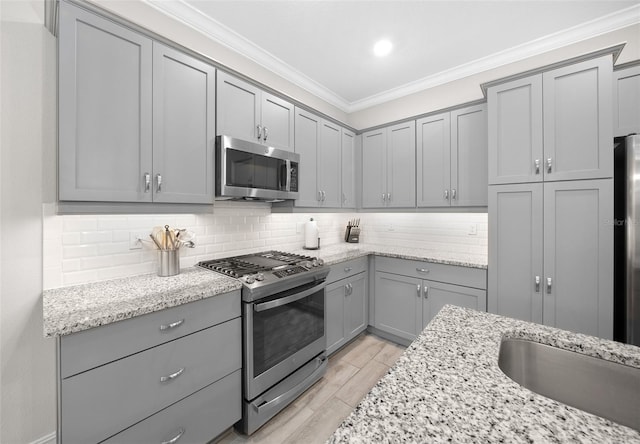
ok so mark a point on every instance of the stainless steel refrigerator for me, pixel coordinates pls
(627, 239)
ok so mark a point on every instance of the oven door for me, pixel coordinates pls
(281, 334)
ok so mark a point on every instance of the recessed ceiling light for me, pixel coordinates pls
(382, 48)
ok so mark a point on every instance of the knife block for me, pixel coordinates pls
(352, 235)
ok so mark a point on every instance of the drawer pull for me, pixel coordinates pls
(422, 270)
(347, 269)
(165, 327)
(176, 438)
(172, 376)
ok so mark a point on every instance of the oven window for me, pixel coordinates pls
(282, 331)
(250, 170)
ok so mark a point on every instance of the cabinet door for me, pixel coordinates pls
(433, 161)
(307, 144)
(238, 108)
(277, 122)
(348, 169)
(401, 165)
(104, 101)
(626, 101)
(578, 256)
(329, 173)
(578, 137)
(515, 251)
(183, 127)
(469, 156)
(437, 294)
(335, 302)
(355, 316)
(515, 131)
(374, 177)
(398, 305)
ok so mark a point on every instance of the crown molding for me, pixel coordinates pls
(183, 12)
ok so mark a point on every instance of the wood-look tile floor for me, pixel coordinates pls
(318, 412)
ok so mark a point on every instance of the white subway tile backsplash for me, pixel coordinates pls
(79, 249)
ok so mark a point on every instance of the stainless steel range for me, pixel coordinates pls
(283, 319)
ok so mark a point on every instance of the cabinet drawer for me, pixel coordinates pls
(452, 274)
(91, 348)
(347, 268)
(197, 419)
(102, 401)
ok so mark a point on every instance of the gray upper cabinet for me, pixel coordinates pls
(452, 158)
(551, 254)
(433, 160)
(515, 251)
(246, 112)
(515, 131)
(552, 126)
(388, 167)
(578, 256)
(469, 156)
(626, 101)
(578, 139)
(183, 127)
(319, 143)
(348, 169)
(105, 109)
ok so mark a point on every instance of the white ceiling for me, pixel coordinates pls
(326, 46)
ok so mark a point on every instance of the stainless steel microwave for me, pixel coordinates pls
(250, 171)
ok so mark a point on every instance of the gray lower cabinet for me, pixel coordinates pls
(246, 112)
(346, 299)
(404, 302)
(452, 158)
(135, 117)
(388, 167)
(551, 254)
(159, 391)
(626, 101)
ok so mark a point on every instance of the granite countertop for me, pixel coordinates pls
(333, 254)
(72, 309)
(447, 387)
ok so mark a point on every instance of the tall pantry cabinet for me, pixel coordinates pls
(551, 198)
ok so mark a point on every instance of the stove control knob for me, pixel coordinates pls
(307, 264)
(314, 263)
(250, 279)
(259, 277)
(320, 262)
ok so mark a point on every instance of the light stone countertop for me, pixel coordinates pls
(333, 254)
(72, 309)
(447, 387)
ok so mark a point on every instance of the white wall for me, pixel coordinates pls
(27, 376)
(80, 249)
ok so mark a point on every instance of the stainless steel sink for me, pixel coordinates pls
(597, 386)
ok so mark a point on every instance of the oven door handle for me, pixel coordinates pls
(289, 299)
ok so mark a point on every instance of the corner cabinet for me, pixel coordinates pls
(552, 126)
(551, 254)
(626, 101)
(388, 167)
(346, 302)
(249, 113)
(135, 117)
(452, 158)
(408, 294)
(154, 378)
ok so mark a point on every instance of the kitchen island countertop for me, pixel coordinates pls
(447, 387)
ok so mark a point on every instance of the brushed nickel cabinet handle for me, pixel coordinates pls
(389, 197)
(454, 194)
(549, 282)
(422, 270)
(419, 289)
(159, 182)
(147, 182)
(537, 164)
(347, 269)
(176, 438)
(446, 194)
(259, 132)
(426, 292)
(172, 325)
(266, 134)
(319, 196)
(549, 164)
(384, 197)
(537, 281)
(172, 376)
(344, 198)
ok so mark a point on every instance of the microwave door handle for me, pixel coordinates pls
(288, 184)
(289, 299)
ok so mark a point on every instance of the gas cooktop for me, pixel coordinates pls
(268, 272)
